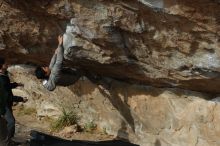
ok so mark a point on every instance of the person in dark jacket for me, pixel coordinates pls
(9, 99)
(3, 104)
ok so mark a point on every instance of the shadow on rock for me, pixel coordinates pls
(69, 77)
(41, 139)
(122, 132)
(157, 143)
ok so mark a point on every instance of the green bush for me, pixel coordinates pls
(90, 127)
(66, 119)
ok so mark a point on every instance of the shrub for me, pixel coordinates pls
(66, 119)
(90, 127)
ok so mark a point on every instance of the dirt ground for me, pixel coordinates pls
(25, 122)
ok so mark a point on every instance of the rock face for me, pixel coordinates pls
(163, 43)
(142, 114)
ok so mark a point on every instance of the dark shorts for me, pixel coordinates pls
(3, 132)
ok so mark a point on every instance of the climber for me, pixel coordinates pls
(55, 73)
(7, 99)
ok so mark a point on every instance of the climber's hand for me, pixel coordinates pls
(60, 39)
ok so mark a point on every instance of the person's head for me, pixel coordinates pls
(3, 64)
(42, 72)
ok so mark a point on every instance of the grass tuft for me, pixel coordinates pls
(90, 126)
(67, 118)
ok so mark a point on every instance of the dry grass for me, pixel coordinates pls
(67, 118)
(27, 111)
(90, 127)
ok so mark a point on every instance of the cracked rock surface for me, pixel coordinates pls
(137, 46)
(144, 115)
(163, 43)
